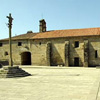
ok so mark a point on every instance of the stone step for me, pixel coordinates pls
(10, 72)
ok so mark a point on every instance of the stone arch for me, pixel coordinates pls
(25, 58)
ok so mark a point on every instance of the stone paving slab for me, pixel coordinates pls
(52, 84)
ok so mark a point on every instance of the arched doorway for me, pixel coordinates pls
(26, 58)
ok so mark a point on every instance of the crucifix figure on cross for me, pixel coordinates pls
(10, 20)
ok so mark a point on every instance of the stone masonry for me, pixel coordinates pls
(54, 52)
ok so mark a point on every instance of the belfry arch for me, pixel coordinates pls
(25, 58)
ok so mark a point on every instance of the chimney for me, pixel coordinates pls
(42, 26)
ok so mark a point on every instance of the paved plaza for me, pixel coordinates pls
(53, 83)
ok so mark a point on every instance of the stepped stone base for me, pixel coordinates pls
(11, 72)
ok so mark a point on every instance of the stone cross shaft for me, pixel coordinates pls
(10, 42)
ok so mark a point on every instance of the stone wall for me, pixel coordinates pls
(66, 53)
(94, 44)
(38, 50)
(76, 52)
(54, 52)
(48, 53)
(63, 53)
(86, 53)
(16, 50)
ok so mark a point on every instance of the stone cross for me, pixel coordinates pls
(10, 42)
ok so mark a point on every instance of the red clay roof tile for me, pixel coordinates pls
(22, 36)
(58, 34)
(68, 33)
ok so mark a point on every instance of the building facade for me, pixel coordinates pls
(74, 47)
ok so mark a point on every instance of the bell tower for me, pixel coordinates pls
(42, 26)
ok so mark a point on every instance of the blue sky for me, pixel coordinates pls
(59, 14)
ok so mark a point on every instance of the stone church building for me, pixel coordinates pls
(73, 47)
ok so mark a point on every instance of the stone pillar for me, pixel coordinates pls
(10, 41)
(66, 53)
(48, 53)
(86, 53)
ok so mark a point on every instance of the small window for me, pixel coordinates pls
(76, 44)
(19, 43)
(96, 54)
(6, 53)
(1, 44)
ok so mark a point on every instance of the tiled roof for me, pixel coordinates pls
(68, 33)
(58, 34)
(22, 36)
